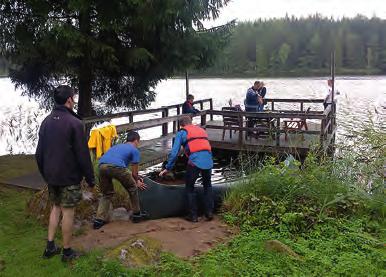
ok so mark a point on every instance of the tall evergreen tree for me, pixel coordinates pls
(114, 51)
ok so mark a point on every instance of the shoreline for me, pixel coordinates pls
(359, 75)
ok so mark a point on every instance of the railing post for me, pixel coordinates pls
(203, 119)
(201, 105)
(278, 131)
(301, 106)
(330, 121)
(322, 125)
(273, 105)
(211, 108)
(165, 113)
(131, 118)
(333, 115)
(240, 130)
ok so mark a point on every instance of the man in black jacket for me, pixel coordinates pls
(63, 160)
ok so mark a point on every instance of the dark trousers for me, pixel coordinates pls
(106, 175)
(192, 174)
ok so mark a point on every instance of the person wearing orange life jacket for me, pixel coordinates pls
(194, 139)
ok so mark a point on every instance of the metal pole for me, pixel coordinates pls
(187, 83)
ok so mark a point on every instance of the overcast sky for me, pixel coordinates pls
(243, 10)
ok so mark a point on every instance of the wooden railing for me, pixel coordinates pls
(163, 121)
(326, 117)
(271, 102)
(276, 117)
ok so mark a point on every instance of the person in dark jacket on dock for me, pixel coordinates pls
(194, 139)
(188, 107)
(261, 92)
(63, 160)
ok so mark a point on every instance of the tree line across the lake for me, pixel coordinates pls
(293, 46)
(116, 53)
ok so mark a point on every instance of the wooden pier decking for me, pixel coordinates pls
(320, 132)
(277, 139)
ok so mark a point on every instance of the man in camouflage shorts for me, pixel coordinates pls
(63, 160)
(67, 197)
(113, 165)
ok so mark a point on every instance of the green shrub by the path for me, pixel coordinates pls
(296, 198)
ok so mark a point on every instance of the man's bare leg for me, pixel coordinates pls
(67, 225)
(54, 222)
(51, 248)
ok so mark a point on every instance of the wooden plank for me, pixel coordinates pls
(150, 123)
(295, 100)
(156, 150)
(92, 119)
(268, 114)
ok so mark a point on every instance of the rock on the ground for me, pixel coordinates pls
(120, 214)
(279, 247)
(137, 252)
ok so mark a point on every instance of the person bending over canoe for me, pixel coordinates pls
(194, 139)
(113, 164)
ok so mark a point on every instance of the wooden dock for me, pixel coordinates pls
(320, 133)
(273, 136)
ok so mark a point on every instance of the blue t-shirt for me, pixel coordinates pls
(121, 155)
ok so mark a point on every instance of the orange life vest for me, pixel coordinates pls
(197, 139)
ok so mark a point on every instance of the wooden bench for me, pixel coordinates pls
(295, 124)
(230, 121)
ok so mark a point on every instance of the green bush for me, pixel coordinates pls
(297, 196)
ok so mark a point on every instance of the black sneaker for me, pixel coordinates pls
(48, 253)
(72, 255)
(98, 223)
(138, 217)
(191, 218)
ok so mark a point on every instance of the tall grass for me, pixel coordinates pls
(298, 196)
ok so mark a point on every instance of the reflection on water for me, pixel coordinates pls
(361, 99)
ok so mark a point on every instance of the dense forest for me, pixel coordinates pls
(300, 46)
(293, 46)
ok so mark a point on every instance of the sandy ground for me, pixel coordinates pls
(183, 238)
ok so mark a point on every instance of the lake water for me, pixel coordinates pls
(360, 99)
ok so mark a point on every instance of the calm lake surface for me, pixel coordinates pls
(360, 100)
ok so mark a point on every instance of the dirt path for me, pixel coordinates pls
(176, 235)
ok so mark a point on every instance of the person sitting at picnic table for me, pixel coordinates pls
(188, 107)
(261, 92)
(251, 98)
(251, 103)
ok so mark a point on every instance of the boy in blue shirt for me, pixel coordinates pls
(194, 139)
(113, 164)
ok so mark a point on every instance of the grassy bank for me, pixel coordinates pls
(321, 218)
(343, 247)
(16, 165)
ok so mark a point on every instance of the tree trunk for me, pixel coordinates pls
(85, 90)
(85, 75)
